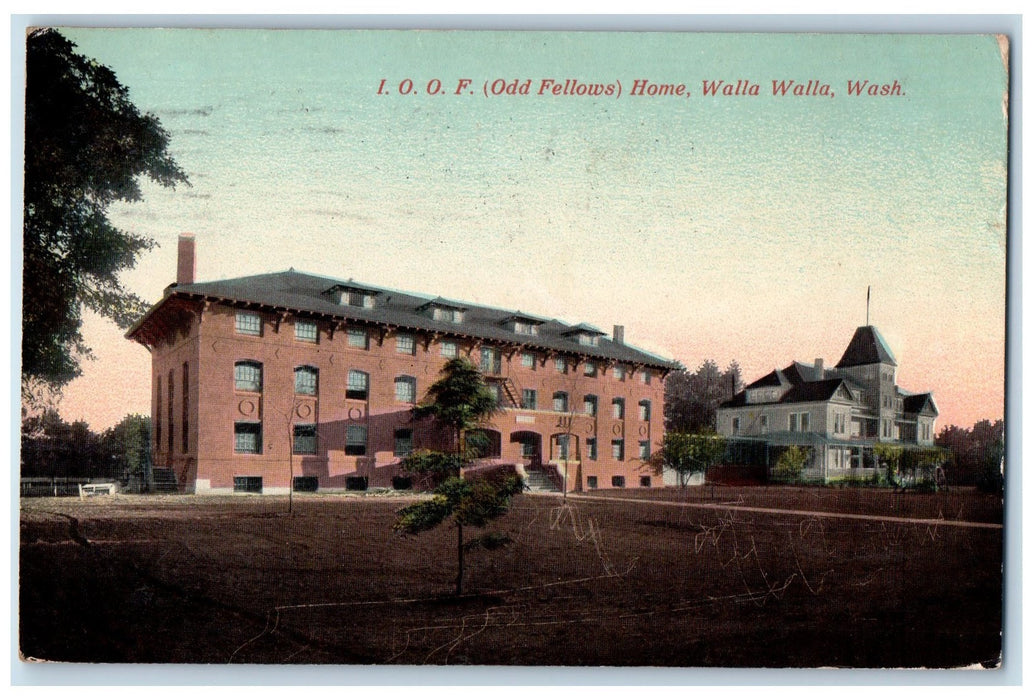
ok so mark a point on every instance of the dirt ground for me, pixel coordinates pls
(189, 579)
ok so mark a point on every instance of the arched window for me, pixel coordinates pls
(247, 375)
(358, 385)
(306, 380)
(405, 389)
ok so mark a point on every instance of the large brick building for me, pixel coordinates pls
(258, 378)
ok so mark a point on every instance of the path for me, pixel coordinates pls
(803, 513)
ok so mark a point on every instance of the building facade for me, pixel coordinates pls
(288, 379)
(839, 413)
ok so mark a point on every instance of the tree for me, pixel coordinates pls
(128, 444)
(691, 399)
(688, 454)
(975, 453)
(461, 402)
(86, 145)
(791, 462)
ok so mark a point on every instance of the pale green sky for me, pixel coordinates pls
(740, 228)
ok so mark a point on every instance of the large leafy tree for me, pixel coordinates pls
(86, 145)
(691, 398)
(460, 402)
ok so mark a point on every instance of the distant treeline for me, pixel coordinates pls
(51, 447)
(976, 453)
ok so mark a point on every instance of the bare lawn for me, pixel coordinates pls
(592, 581)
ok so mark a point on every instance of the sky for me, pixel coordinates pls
(743, 228)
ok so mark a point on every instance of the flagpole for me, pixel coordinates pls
(868, 306)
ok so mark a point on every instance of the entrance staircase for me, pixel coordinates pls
(164, 480)
(539, 481)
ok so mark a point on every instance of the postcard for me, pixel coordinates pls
(514, 348)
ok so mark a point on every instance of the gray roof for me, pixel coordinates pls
(867, 347)
(305, 295)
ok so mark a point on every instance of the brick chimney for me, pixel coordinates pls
(819, 367)
(618, 335)
(186, 266)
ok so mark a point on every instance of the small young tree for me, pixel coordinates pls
(791, 463)
(461, 402)
(688, 454)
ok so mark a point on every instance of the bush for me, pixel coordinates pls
(791, 463)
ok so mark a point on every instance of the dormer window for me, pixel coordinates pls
(583, 334)
(360, 299)
(522, 325)
(441, 311)
(525, 328)
(449, 315)
(352, 296)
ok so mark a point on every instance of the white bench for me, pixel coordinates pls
(94, 489)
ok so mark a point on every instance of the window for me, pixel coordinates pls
(307, 484)
(172, 416)
(559, 401)
(590, 369)
(355, 441)
(799, 422)
(643, 449)
(305, 439)
(358, 338)
(735, 426)
(617, 447)
(617, 482)
(618, 408)
(840, 423)
(491, 361)
(157, 416)
(529, 400)
(185, 431)
(562, 447)
(618, 373)
(447, 314)
(592, 445)
(527, 359)
(561, 365)
(645, 481)
(358, 298)
(358, 385)
(593, 482)
(306, 331)
(449, 349)
(647, 377)
(588, 339)
(405, 389)
(496, 392)
(525, 328)
(247, 438)
(249, 323)
(306, 380)
(247, 484)
(405, 344)
(644, 410)
(247, 376)
(591, 405)
(403, 442)
(763, 424)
